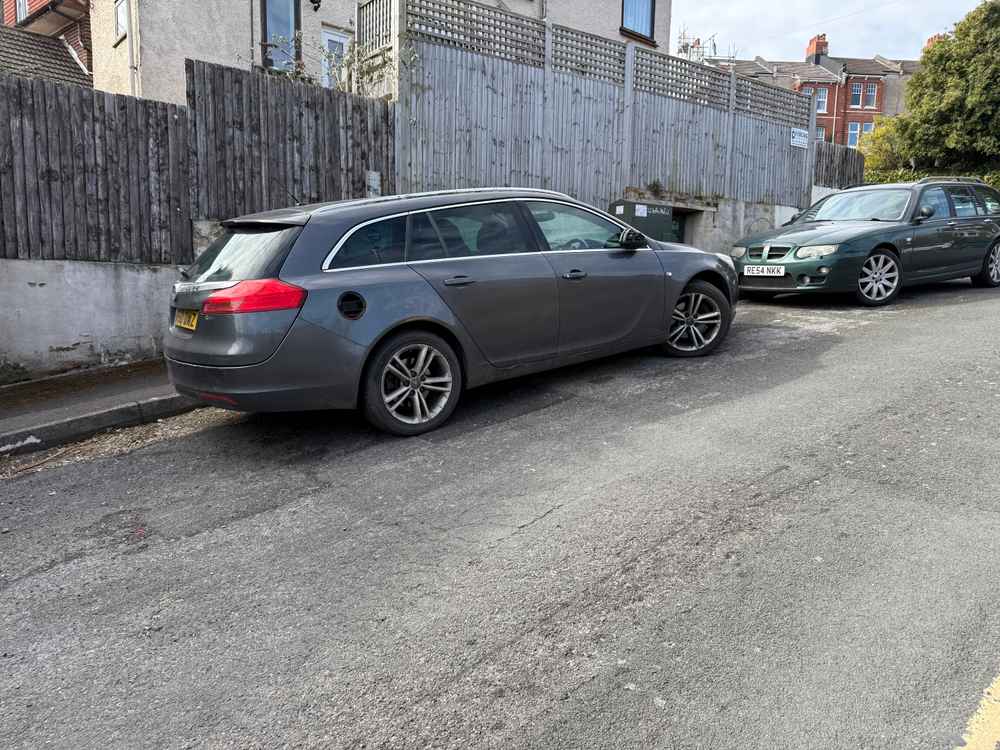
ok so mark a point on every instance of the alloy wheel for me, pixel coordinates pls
(416, 383)
(994, 264)
(695, 323)
(879, 277)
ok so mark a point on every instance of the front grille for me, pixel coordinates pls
(773, 253)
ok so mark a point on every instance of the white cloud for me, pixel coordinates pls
(781, 30)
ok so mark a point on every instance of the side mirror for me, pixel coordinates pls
(925, 212)
(632, 240)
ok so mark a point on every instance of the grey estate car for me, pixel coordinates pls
(398, 304)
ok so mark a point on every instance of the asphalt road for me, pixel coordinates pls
(791, 544)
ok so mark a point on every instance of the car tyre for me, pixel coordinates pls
(880, 279)
(989, 276)
(699, 321)
(412, 384)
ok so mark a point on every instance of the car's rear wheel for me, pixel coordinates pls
(412, 384)
(699, 322)
(880, 279)
(989, 277)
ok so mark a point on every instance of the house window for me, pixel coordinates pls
(868, 127)
(335, 48)
(281, 24)
(20, 9)
(637, 17)
(807, 90)
(121, 18)
(857, 90)
(853, 134)
(820, 133)
(821, 98)
(871, 93)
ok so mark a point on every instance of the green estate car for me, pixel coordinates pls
(873, 240)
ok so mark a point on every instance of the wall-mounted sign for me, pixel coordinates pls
(800, 138)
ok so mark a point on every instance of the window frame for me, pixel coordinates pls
(265, 37)
(947, 197)
(326, 34)
(20, 10)
(120, 33)
(856, 133)
(543, 242)
(861, 95)
(821, 133)
(629, 31)
(516, 201)
(825, 100)
(950, 190)
(872, 90)
(977, 190)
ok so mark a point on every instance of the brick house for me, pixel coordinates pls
(65, 24)
(850, 92)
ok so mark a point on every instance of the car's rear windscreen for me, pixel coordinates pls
(244, 253)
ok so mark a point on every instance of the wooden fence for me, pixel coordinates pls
(259, 141)
(496, 98)
(838, 166)
(92, 176)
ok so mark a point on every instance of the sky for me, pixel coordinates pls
(781, 29)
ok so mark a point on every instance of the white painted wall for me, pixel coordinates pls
(63, 314)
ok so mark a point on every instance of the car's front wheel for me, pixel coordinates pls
(989, 277)
(880, 279)
(412, 384)
(699, 322)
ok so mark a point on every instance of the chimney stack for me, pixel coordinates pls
(934, 40)
(817, 49)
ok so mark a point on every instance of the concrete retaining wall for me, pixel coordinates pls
(57, 315)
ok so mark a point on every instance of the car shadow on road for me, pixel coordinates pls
(957, 292)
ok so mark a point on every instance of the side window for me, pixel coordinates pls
(989, 201)
(965, 204)
(570, 228)
(486, 229)
(422, 240)
(373, 245)
(936, 199)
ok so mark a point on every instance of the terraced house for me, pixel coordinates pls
(138, 48)
(850, 92)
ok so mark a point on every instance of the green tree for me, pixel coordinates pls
(953, 119)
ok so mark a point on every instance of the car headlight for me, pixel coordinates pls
(738, 252)
(815, 251)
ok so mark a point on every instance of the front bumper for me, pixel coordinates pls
(834, 273)
(313, 368)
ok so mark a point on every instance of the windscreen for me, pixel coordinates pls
(243, 253)
(864, 205)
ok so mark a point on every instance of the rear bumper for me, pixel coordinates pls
(312, 369)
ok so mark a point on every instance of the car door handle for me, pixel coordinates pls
(952, 223)
(575, 275)
(459, 281)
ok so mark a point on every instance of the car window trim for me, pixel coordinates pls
(406, 214)
(546, 248)
(969, 194)
(947, 197)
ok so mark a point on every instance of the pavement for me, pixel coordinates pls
(790, 544)
(46, 413)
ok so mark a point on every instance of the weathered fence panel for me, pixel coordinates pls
(259, 142)
(86, 175)
(838, 166)
(495, 98)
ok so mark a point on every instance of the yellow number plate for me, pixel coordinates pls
(187, 319)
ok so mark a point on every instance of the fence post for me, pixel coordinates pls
(401, 94)
(810, 168)
(728, 188)
(547, 108)
(628, 116)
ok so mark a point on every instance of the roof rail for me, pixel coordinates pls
(949, 178)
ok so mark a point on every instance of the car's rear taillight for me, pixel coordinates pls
(258, 295)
